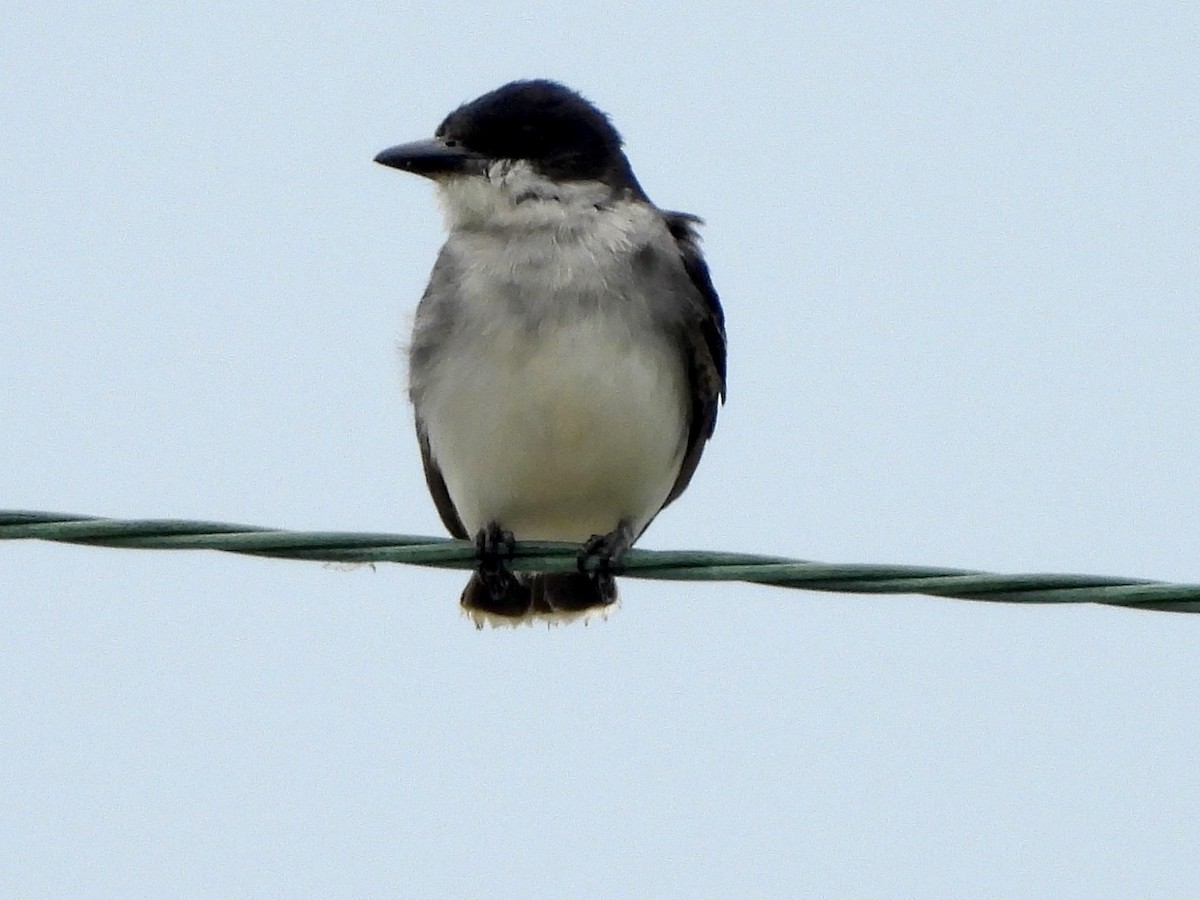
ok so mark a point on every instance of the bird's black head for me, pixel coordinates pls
(559, 133)
(542, 122)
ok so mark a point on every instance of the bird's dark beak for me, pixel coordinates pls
(433, 158)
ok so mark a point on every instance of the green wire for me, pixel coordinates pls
(339, 546)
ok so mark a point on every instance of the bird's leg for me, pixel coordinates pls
(493, 548)
(607, 550)
(494, 544)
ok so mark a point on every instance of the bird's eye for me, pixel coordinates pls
(451, 142)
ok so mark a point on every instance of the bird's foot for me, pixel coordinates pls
(493, 548)
(494, 545)
(607, 550)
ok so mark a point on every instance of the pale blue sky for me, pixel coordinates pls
(957, 248)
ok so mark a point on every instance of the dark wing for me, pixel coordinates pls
(705, 338)
(434, 321)
(437, 490)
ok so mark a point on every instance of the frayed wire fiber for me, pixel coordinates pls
(354, 547)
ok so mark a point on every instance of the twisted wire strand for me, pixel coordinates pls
(674, 565)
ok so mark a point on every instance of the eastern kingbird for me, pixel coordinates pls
(567, 357)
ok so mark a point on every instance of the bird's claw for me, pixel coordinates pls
(493, 548)
(606, 549)
(494, 545)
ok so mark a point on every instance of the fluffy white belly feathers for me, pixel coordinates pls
(559, 432)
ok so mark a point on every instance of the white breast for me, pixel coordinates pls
(561, 432)
(555, 406)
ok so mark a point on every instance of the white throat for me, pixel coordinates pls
(512, 195)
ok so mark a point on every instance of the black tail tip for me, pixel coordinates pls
(528, 598)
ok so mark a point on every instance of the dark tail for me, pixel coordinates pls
(527, 597)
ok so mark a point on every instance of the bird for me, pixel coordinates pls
(568, 356)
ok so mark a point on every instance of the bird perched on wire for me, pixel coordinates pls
(568, 355)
